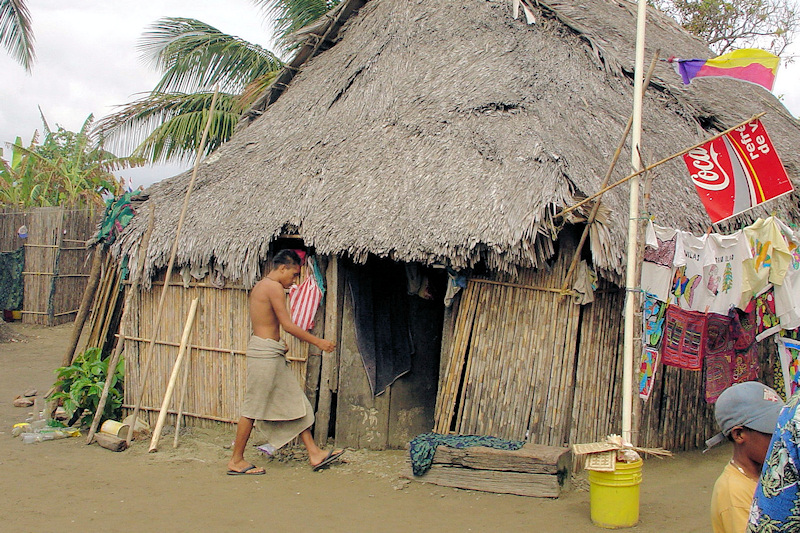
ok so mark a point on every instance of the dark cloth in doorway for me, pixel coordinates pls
(380, 308)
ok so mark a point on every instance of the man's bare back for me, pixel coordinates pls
(268, 312)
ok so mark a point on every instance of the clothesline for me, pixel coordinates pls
(711, 298)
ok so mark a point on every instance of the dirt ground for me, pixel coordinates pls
(67, 485)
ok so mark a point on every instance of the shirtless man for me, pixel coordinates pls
(268, 313)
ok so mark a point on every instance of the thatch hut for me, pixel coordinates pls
(429, 134)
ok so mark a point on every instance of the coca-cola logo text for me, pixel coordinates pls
(706, 171)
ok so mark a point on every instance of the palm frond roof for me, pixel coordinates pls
(446, 131)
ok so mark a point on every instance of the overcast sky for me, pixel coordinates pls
(87, 62)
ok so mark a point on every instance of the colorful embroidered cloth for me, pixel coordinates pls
(647, 372)
(654, 312)
(423, 447)
(767, 321)
(718, 356)
(745, 366)
(789, 355)
(684, 338)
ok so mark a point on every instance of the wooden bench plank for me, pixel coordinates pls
(531, 458)
(519, 483)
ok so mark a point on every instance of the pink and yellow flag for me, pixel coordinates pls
(748, 64)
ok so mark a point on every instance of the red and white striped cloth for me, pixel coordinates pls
(303, 301)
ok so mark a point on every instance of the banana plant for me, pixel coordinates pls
(66, 168)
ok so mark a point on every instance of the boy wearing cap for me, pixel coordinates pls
(747, 414)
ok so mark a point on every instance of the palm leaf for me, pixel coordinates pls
(194, 56)
(16, 34)
(175, 122)
(291, 15)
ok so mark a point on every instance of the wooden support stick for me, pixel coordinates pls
(656, 164)
(112, 362)
(157, 318)
(183, 397)
(86, 304)
(162, 416)
(333, 323)
(596, 207)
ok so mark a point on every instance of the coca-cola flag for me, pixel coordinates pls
(737, 171)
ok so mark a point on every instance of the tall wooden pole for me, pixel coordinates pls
(157, 319)
(633, 227)
(86, 303)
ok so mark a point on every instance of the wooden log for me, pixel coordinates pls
(110, 442)
(531, 458)
(313, 370)
(162, 415)
(519, 483)
(184, 385)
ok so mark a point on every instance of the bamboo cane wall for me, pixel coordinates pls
(216, 379)
(55, 260)
(526, 364)
(521, 362)
(10, 220)
(217, 344)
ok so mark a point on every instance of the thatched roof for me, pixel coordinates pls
(446, 131)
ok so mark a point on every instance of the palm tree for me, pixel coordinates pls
(194, 57)
(16, 34)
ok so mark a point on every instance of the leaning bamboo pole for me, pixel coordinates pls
(162, 415)
(112, 363)
(184, 384)
(596, 207)
(160, 310)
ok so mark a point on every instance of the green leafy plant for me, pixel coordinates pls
(80, 386)
(64, 168)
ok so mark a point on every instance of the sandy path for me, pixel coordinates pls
(66, 485)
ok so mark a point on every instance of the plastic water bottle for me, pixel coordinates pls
(30, 438)
(49, 433)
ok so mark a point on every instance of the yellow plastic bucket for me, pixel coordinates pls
(112, 427)
(614, 496)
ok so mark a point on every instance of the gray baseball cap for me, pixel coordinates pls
(750, 404)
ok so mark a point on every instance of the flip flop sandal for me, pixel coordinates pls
(246, 472)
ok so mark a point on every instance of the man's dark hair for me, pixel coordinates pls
(286, 257)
